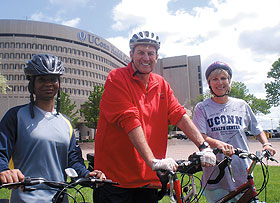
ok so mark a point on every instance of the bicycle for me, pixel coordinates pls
(169, 180)
(60, 187)
(248, 191)
(171, 186)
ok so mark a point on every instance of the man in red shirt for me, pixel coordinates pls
(135, 110)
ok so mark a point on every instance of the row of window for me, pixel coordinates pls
(11, 66)
(71, 91)
(65, 80)
(67, 60)
(74, 71)
(52, 48)
(83, 82)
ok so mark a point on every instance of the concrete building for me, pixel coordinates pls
(183, 73)
(87, 58)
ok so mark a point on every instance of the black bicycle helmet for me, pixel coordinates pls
(43, 64)
(218, 65)
(144, 37)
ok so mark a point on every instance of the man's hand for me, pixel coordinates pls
(98, 174)
(208, 158)
(165, 164)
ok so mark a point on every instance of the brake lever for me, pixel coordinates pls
(171, 184)
(230, 170)
(268, 156)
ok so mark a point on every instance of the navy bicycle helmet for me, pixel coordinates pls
(144, 37)
(42, 64)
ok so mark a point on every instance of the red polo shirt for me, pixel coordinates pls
(125, 105)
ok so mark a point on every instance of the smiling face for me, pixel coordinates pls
(46, 87)
(144, 58)
(219, 82)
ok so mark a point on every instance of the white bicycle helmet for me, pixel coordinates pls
(144, 37)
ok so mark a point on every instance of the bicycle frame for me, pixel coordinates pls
(249, 188)
(246, 197)
(174, 187)
(191, 193)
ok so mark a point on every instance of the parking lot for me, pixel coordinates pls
(181, 149)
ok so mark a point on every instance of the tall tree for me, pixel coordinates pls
(273, 88)
(68, 109)
(90, 109)
(3, 84)
(239, 90)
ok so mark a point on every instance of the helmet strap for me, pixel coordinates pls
(137, 71)
(58, 98)
(211, 90)
(31, 90)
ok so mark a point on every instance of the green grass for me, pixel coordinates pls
(273, 192)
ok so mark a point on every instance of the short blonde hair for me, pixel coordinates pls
(216, 72)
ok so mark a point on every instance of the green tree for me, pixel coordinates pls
(239, 90)
(273, 88)
(3, 84)
(68, 109)
(198, 99)
(90, 109)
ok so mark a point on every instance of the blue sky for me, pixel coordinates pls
(243, 33)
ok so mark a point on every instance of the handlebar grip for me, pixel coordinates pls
(216, 151)
(222, 167)
(96, 180)
(267, 155)
(237, 151)
(224, 164)
(27, 182)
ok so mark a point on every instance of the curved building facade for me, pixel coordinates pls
(87, 58)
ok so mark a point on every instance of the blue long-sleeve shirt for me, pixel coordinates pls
(40, 147)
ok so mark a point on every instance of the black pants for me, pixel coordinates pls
(112, 194)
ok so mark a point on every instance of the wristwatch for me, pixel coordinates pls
(204, 145)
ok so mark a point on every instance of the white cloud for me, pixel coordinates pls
(122, 42)
(245, 34)
(38, 16)
(72, 23)
(69, 3)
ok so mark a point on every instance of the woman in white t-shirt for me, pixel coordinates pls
(222, 120)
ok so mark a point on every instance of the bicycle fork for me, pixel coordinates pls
(175, 185)
(190, 192)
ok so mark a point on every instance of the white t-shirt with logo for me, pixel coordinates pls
(227, 122)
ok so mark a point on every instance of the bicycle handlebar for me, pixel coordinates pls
(86, 182)
(27, 182)
(91, 181)
(191, 166)
(241, 154)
